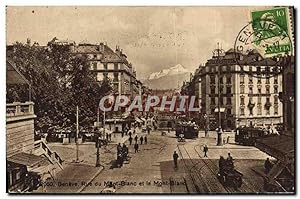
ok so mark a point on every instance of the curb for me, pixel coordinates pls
(92, 178)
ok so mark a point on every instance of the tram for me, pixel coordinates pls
(248, 135)
(188, 129)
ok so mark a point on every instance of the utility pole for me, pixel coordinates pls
(77, 132)
(218, 52)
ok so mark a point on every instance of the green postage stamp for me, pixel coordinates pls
(271, 31)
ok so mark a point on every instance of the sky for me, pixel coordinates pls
(153, 38)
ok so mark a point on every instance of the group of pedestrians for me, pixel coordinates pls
(136, 145)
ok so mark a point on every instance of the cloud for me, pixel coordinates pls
(153, 38)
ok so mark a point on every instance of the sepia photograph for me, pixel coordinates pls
(150, 100)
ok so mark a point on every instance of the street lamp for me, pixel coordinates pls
(97, 146)
(218, 52)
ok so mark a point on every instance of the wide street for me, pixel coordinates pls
(151, 170)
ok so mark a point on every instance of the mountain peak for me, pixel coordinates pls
(174, 70)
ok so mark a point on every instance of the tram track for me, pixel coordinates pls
(214, 170)
(194, 173)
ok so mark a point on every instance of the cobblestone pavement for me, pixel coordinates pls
(151, 170)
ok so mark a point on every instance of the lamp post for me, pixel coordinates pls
(98, 149)
(217, 52)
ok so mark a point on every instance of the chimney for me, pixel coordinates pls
(101, 47)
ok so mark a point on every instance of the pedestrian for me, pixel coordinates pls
(141, 139)
(268, 166)
(169, 125)
(122, 133)
(229, 157)
(119, 148)
(130, 140)
(109, 137)
(205, 150)
(224, 141)
(175, 158)
(136, 147)
(148, 129)
(227, 139)
(136, 139)
(145, 139)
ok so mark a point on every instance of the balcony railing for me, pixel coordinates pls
(19, 109)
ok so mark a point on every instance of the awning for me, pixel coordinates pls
(281, 147)
(222, 110)
(27, 159)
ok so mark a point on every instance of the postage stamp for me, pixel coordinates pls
(271, 26)
(264, 41)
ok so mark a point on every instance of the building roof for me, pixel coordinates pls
(13, 75)
(27, 159)
(108, 55)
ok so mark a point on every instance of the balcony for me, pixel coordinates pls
(18, 111)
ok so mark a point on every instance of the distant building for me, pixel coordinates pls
(112, 65)
(245, 98)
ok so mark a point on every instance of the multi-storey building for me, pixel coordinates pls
(112, 65)
(246, 96)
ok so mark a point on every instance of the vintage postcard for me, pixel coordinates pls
(150, 100)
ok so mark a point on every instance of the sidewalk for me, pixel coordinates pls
(73, 178)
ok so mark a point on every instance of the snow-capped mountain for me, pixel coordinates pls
(175, 70)
(170, 78)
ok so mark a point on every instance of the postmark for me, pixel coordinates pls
(264, 43)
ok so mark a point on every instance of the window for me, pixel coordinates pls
(259, 90)
(259, 110)
(268, 100)
(268, 80)
(228, 100)
(275, 109)
(258, 70)
(228, 68)
(95, 56)
(221, 89)
(228, 90)
(275, 89)
(242, 100)
(213, 101)
(213, 90)
(250, 69)
(250, 80)
(94, 65)
(275, 99)
(276, 80)
(259, 100)
(221, 80)
(250, 90)
(251, 111)
(229, 111)
(242, 89)
(242, 80)
(221, 101)
(268, 111)
(268, 90)
(105, 66)
(116, 66)
(212, 111)
(259, 81)
(228, 79)
(212, 79)
(242, 111)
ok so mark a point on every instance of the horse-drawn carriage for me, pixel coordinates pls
(228, 175)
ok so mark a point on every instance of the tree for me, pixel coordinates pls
(60, 81)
